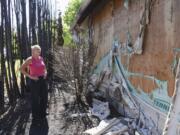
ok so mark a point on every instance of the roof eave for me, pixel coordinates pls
(86, 9)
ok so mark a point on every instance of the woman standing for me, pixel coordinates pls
(38, 85)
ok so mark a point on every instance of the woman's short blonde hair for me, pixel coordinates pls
(35, 47)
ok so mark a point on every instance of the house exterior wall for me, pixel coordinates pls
(150, 76)
(161, 42)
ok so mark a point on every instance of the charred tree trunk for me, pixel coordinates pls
(32, 22)
(12, 58)
(19, 43)
(8, 54)
(24, 35)
(2, 67)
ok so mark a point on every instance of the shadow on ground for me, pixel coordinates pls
(39, 127)
(60, 121)
(18, 121)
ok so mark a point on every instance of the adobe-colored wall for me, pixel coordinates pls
(103, 31)
(161, 37)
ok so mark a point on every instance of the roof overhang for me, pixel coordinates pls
(87, 8)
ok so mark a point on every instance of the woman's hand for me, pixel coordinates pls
(45, 75)
(34, 78)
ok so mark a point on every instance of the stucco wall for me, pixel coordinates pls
(161, 38)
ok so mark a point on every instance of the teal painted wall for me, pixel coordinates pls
(158, 98)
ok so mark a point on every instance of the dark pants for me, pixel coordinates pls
(39, 97)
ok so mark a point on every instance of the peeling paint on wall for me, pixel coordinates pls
(175, 60)
(158, 98)
(176, 49)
